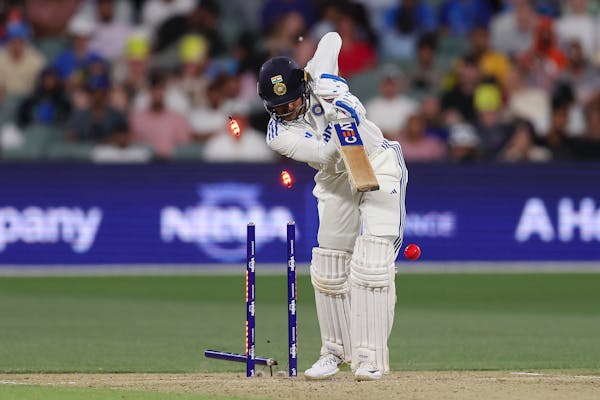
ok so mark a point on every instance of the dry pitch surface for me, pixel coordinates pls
(465, 385)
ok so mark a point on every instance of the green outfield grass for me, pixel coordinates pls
(60, 393)
(162, 324)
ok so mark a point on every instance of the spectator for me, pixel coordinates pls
(111, 33)
(522, 145)
(578, 25)
(417, 145)
(457, 103)
(247, 11)
(563, 93)
(248, 60)
(304, 50)
(492, 131)
(360, 13)
(80, 95)
(556, 140)
(274, 10)
(390, 110)
(459, 17)
(9, 14)
(527, 101)
(411, 16)
(208, 119)
(431, 112)
(188, 87)
(249, 146)
(402, 27)
(587, 147)
(584, 78)
(544, 61)
(48, 105)
(512, 31)
(99, 123)
(157, 126)
(131, 70)
(120, 149)
(551, 88)
(155, 12)
(48, 18)
(357, 54)
(194, 70)
(124, 10)
(231, 89)
(330, 12)
(73, 60)
(425, 74)
(203, 20)
(20, 63)
(545, 45)
(463, 143)
(284, 34)
(491, 63)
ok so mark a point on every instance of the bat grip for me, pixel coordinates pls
(329, 111)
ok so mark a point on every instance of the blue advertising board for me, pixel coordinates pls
(505, 212)
(58, 214)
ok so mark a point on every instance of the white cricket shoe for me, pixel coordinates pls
(325, 367)
(367, 372)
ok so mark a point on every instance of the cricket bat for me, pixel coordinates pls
(347, 137)
(357, 163)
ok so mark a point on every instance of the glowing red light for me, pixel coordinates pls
(286, 178)
(234, 128)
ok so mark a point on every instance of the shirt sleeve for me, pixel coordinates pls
(300, 144)
(325, 59)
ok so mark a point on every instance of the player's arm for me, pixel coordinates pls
(322, 73)
(300, 146)
(325, 59)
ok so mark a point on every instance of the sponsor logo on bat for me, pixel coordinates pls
(348, 134)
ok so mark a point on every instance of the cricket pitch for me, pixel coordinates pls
(431, 385)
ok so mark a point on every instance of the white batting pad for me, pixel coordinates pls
(373, 294)
(329, 276)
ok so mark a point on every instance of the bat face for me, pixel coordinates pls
(361, 174)
(357, 163)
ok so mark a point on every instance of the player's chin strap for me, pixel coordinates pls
(329, 276)
(373, 297)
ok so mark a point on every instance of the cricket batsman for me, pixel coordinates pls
(360, 233)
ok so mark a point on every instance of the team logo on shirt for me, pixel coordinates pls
(317, 109)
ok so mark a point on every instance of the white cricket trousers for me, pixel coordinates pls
(344, 215)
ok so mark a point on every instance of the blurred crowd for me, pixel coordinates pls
(154, 80)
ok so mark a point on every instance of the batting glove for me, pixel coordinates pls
(329, 86)
(350, 106)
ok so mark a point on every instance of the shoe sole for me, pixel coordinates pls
(320, 377)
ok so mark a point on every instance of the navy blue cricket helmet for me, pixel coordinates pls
(281, 81)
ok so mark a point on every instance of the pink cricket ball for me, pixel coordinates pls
(412, 252)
